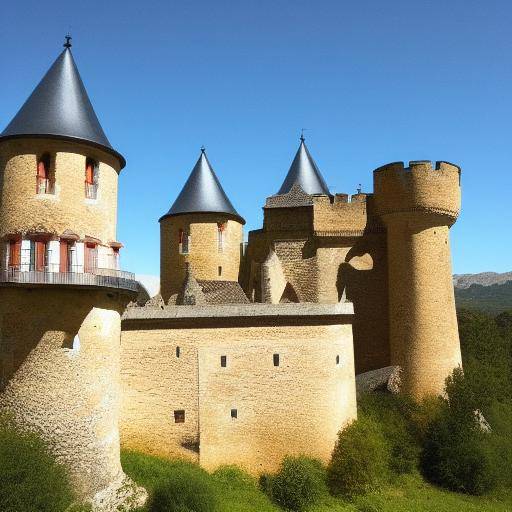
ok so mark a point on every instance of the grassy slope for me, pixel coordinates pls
(237, 492)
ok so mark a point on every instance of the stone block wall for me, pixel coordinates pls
(24, 211)
(296, 407)
(203, 255)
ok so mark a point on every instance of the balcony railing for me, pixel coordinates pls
(31, 271)
(91, 190)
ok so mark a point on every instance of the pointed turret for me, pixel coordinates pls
(60, 108)
(203, 193)
(305, 173)
(202, 229)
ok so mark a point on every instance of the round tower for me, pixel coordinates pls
(418, 204)
(61, 290)
(202, 229)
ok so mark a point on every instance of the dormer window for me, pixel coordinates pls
(221, 235)
(91, 178)
(44, 178)
(183, 241)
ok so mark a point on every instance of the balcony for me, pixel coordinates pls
(37, 271)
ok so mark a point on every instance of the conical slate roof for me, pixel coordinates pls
(59, 107)
(203, 193)
(305, 173)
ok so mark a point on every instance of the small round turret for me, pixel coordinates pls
(418, 204)
(201, 229)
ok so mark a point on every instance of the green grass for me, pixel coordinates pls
(236, 491)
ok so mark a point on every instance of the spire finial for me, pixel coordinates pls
(203, 149)
(67, 44)
(302, 138)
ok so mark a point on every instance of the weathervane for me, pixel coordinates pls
(67, 44)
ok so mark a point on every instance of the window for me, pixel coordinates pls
(338, 359)
(223, 361)
(276, 359)
(90, 258)
(66, 255)
(91, 178)
(44, 179)
(179, 416)
(178, 352)
(183, 241)
(221, 235)
(220, 271)
(39, 255)
(234, 413)
(14, 254)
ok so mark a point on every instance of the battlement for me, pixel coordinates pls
(421, 187)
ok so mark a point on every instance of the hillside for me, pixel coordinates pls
(483, 278)
(492, 299)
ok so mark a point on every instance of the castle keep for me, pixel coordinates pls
(250, 352)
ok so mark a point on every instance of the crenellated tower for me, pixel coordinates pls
(418, 204)
(201, 229)
(61, 288)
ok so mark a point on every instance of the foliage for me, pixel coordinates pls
(491, 299)
(233, 489)
(31, 479)
(396, 417)
(360, 459)
(457, 452)
(299, 483)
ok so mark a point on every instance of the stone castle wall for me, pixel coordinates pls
(59, 375)
(203, 255)
(23, 211)
(417, 205)
(296, 407)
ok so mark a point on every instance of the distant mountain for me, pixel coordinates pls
(484, 278)
(488, 291)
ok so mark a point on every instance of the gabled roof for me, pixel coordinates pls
(203, 193)
(59, 107)
(305, 173)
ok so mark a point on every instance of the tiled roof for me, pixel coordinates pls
(223, 292)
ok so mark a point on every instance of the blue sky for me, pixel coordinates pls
(372, 81)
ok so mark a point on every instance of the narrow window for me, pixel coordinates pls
(115, 253)
(91, 178)
(38, 255)
(15, 254)
(223, 361)
(221, 235)
(276, 359)
(179, 416)
(177, 351)
(338, 359)
(234, 413)
(90, 258)
(183, 241)
(44, 181)
(220, 271)
(66, 256)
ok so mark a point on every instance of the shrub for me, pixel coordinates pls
(360, 459)
(186, 491)
(457, 453)
(30, 477)
(395, 413)
(300, 482)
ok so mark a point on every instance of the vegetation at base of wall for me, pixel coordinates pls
(30, 478)
(360, 460)
(299, 483)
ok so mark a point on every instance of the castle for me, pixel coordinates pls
(251, 350)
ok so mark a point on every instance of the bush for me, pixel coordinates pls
(186, 491)
(395, 414)
(360, 459)
(300, 483)
(457, 452)
(30, 477)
